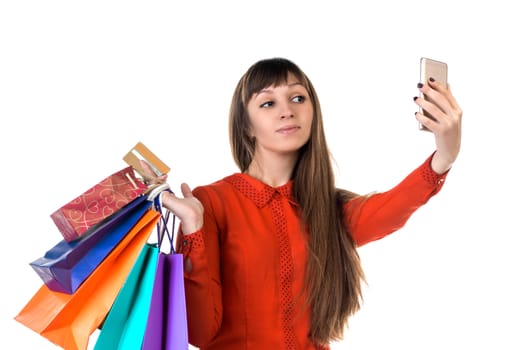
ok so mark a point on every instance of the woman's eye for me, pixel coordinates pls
(266, 104)
(298, 99)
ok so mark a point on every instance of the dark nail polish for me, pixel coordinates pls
(415, 98)
(419, 85)
(431, 79)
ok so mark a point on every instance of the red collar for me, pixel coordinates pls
(259, 192)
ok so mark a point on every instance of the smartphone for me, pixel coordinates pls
(430, 68)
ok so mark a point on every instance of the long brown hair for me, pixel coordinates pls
(333, 272)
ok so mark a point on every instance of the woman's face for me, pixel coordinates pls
(281, 118)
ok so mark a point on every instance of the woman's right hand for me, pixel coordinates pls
(188, 208)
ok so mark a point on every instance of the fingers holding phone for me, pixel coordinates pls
(437, 105)
(439, 113)
(432, 103)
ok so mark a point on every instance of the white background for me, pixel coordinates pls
(82, 82)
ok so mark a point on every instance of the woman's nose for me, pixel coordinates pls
(286, 111)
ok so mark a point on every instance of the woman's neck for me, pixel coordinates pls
(275, 173)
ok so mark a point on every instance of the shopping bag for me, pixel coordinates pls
(64, 267)
(96, 204)
(68, 320)
(166, 326)
(125, 324)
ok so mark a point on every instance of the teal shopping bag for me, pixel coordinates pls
(125, 324)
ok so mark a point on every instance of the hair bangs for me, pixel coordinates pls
(270, 72)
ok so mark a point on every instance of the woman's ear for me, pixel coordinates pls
(250, 133)
(251, 136)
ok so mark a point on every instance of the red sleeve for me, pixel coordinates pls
(372, 217)
(202, 280)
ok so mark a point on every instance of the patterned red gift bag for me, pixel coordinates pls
(75, 218)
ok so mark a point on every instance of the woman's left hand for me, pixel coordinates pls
(447, 124)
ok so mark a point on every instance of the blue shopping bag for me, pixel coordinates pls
(64, 267)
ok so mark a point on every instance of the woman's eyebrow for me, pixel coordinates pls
(270, 91)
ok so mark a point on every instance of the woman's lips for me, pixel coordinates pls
(288, 129)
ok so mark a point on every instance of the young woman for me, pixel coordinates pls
(270, 251)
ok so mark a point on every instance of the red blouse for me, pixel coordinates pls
(248, 260)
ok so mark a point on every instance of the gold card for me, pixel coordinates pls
(141, 152)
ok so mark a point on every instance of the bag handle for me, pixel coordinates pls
(157, 190)
(163, 229)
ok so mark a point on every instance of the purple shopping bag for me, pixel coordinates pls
(167, 327)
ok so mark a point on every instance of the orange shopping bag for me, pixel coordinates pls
(68, 320)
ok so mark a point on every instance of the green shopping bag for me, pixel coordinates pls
(125, 324)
